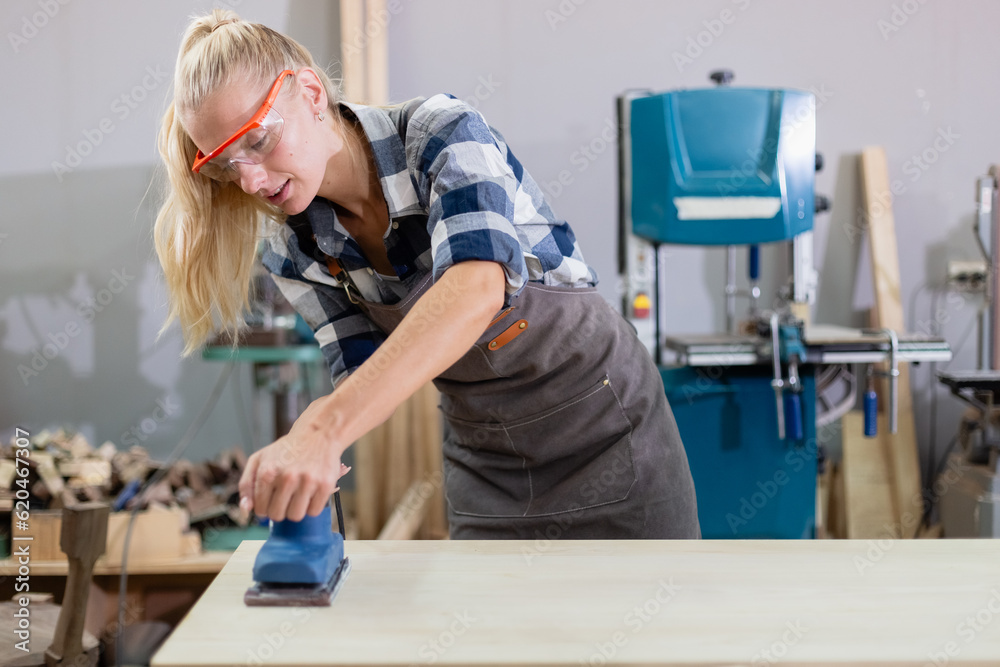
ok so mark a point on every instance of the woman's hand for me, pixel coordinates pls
(295, 475)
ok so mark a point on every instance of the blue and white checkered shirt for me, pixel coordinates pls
(455, 192)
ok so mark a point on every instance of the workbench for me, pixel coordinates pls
(825, 602)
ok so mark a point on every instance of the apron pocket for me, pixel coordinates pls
(575, 455)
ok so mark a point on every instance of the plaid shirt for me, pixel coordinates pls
(455, 192)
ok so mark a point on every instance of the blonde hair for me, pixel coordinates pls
(206, 232)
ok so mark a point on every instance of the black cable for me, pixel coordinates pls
(184, 443)
(932, 445)
(340, 513)
(930, 497)
(658, 345)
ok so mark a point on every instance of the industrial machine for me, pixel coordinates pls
(731, 167)
(967, 482)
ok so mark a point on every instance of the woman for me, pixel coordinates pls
(417, 248)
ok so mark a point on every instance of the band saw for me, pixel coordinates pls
(735, 167)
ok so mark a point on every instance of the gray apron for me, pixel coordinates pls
(557, 425)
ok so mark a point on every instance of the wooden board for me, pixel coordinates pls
(813, 603)
(209, 562)
(392, 457)
(157, 536)
(877, 195)
(869, 505)
(364, 51)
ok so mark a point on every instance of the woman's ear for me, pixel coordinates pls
(311, 88)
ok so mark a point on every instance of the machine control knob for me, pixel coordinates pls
(822, 204)
(819, 162)
(722, 77)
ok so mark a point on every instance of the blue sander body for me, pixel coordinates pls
(302, 564)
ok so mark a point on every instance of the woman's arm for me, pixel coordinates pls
(297, 474)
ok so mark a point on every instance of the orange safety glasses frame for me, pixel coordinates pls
(200, 159)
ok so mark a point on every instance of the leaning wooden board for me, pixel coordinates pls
(903, 459)
(813, 603)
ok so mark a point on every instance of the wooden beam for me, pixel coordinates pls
(903, 453)
(364, 51)
(377, 51)
(409, 514)
(868, 493)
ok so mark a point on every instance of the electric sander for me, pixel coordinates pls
(302, 563)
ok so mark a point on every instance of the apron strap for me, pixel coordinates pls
(342, 277)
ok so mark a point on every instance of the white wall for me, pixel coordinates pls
(883, 76)
(546, 73)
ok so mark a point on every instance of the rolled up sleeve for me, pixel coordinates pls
(469, 187)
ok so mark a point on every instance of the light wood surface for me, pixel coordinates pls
(665, 603)
(904, 459)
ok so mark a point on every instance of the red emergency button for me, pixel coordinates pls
(640, 306)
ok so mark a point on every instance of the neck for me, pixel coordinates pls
(351, 180)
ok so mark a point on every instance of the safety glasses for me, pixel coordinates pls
(251, 143)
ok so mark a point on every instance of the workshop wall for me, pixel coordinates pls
(913, 76)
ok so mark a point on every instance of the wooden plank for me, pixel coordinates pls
(877, 195)
(367, 486)
(868, 498)
(46, 468)
(7, 471)
(156, 536)
(398, 471)
(377, 52)
(436, 526)
(209, 562)
(42, 531)
(364, 51)
(409, 514)
(418, 458)
(823, 483)
(645, 602)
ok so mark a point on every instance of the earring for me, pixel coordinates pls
(321, 116)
